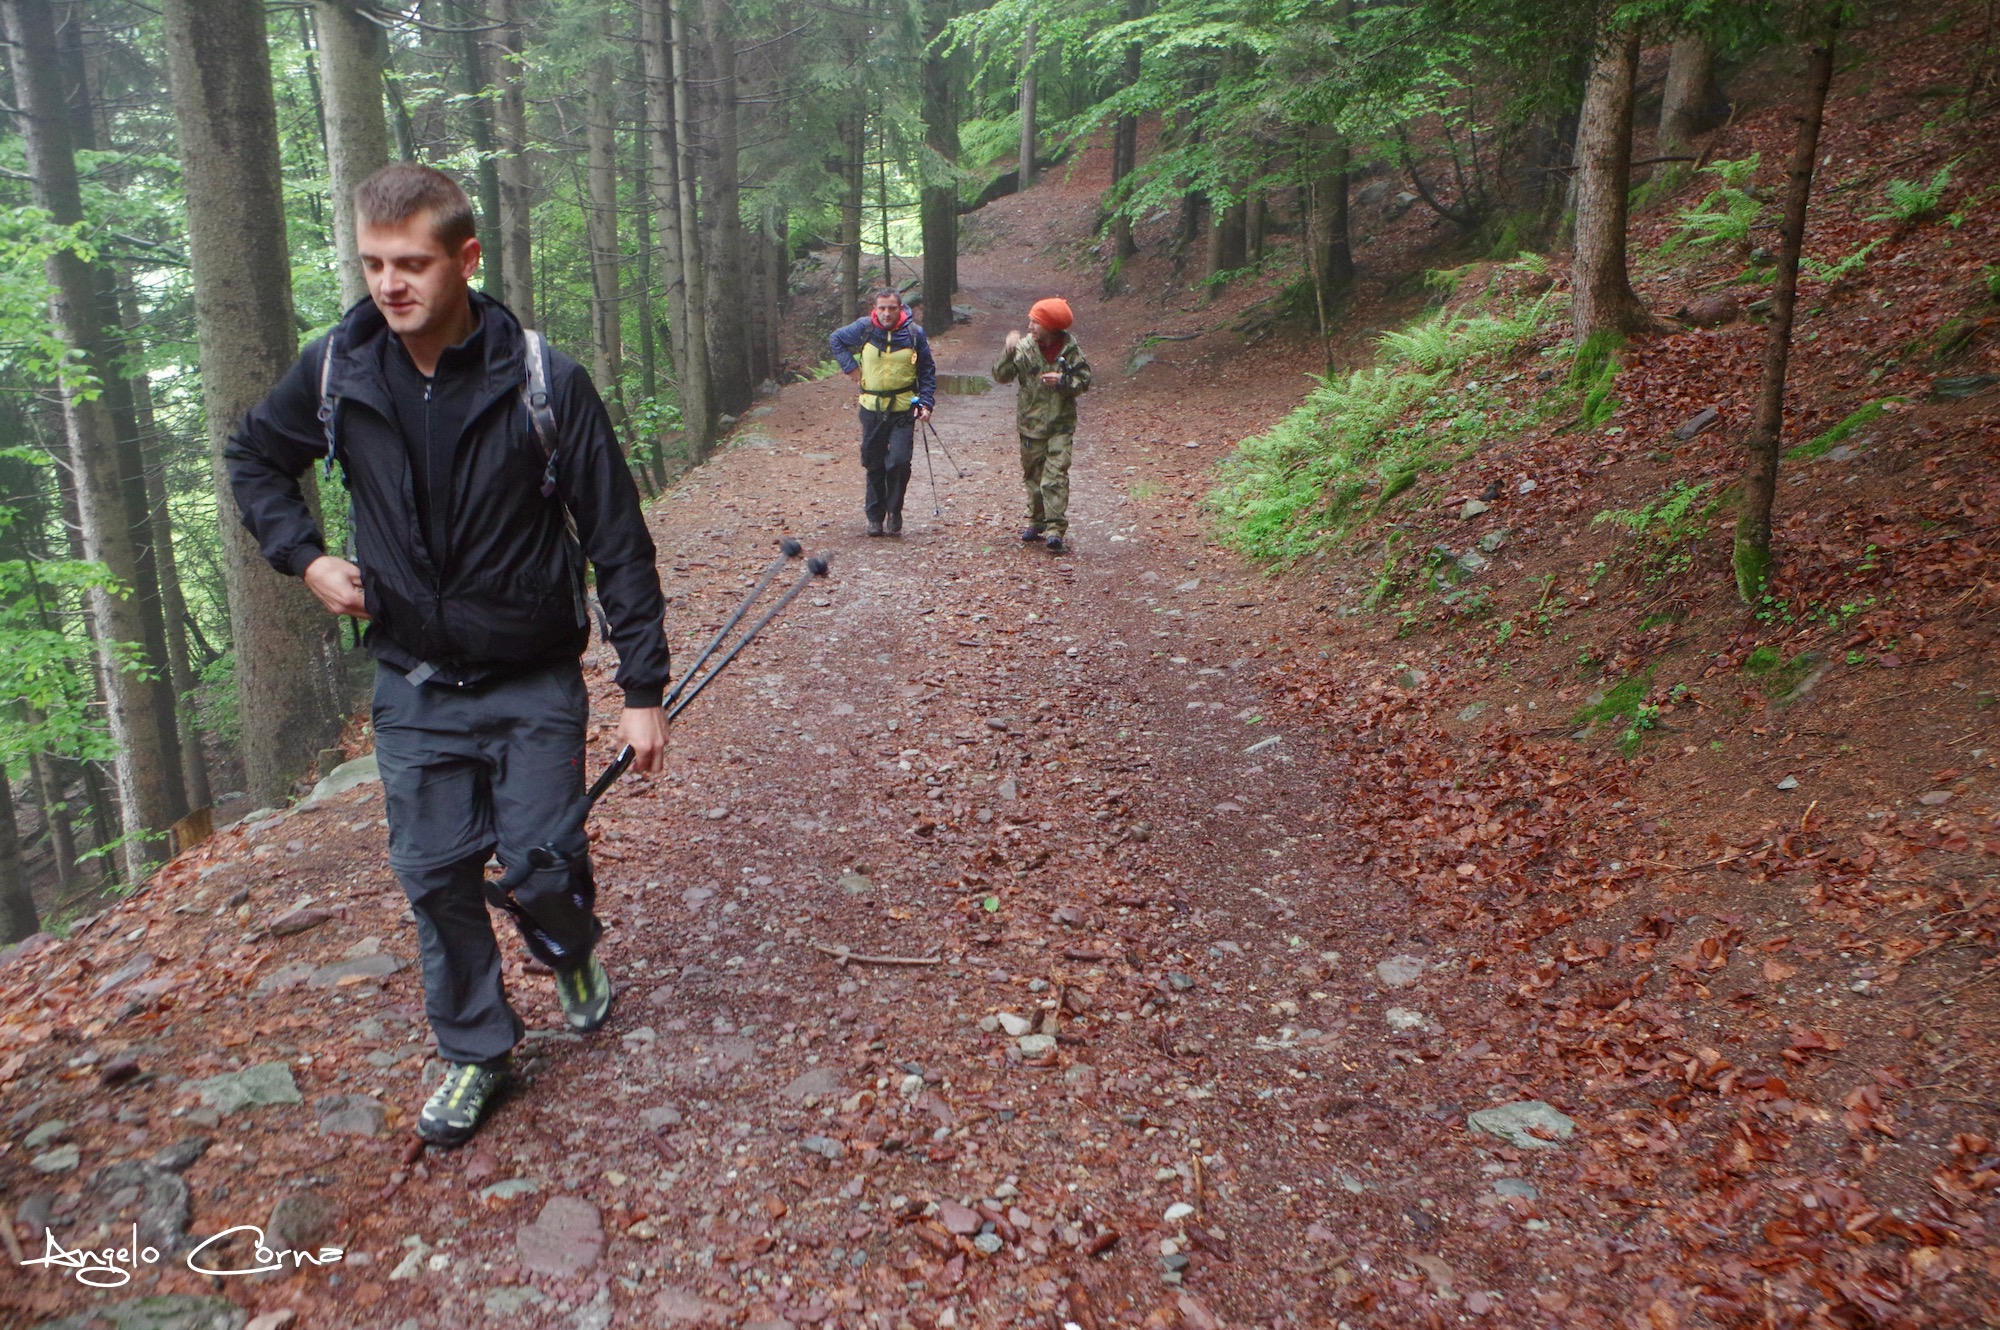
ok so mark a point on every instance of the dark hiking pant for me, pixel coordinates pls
(886, 441)
(466, 772)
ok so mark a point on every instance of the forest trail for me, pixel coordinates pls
(1056, 774)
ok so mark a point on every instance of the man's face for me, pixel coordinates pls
(418, 284)
(888, 309)
(1035, 327)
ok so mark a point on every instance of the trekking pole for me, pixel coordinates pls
(788, 549)
(947, 451)
(937, 508)
(815, 567)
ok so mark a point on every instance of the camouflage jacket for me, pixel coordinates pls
(1041, 412)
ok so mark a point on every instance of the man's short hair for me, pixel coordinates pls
(889, 292)
(401, 190)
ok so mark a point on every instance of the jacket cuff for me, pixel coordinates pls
(641, 699)
(302, 558)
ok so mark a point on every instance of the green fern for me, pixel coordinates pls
(1667, 528)
(1840, 269)
(1912, 202)
(1729, 212)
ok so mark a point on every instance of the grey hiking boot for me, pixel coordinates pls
(1055, 543)
(462, 1100)
(1032, 535)
(585, 993)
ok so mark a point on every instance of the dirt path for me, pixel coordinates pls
(1055, 775)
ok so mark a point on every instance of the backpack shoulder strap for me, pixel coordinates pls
(535, 395)
(329, 405)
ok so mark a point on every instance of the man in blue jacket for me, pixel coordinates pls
(483, 472)
(887, 355)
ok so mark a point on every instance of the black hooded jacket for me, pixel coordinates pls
(506, 591)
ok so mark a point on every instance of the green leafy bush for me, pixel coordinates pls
(1841, 269)
(1912, 202)
(1846, 429)
(1667, 529)
(1728, 213)
(1625, 701)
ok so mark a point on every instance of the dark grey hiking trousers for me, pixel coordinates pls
(466, 772)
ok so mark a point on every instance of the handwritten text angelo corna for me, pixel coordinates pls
(112, 1267)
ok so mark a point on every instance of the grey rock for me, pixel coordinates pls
(1471, 561)
(298, 921)
(1517, 1187)
(1961, 386)
(1179, 982)
(1695, 424)
(1410, 680)
(378, 966)
(301, 1220)
(856, 884)
(1473, 508)
(660, 1117)
(1034, 1045)
(352, 1115)
(59, 1160)
(1371, 194)
(45, 1133)
(1515, 1124)
(989, 1243)
(124, 974)
(1844, 452)
(1401, 971)
(1009, 790)
(169, 1311)
(566, 1238)
(1402, 1018)
(347, 776)
(1789, 783)
(1527, 486)
(1401, 204)
(1015, 1026)
(164, 1206)
(286, 977)
(512, 1299)
(824, 1146)
(1472, 712)
(508, 1188)
(1711, 311)
(181, 1155)
(1493, 541)
(959, 1220)
(677, 1306)
(253, 1087)
(815, 1081)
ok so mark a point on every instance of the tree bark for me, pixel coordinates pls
(473, 82)
(607, 321)
(1028, 98)
(49, 795)
(1752, 555)
(17, 902)
(937, 204)
(696, 372)
(728, 292)
(1602, 298)
(287, 659)
(147, 782)
(516, 178)
(1690, 93)
(854, 143)
(1329, 249)
(664, 154)
(357, 134)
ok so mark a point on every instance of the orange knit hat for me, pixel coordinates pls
(1052, 313)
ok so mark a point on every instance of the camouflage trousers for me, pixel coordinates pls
(1045, 471)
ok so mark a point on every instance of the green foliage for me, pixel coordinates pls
(1910, 201)
(1727, 214)
(1819, 446)
(1361, 439)
(1990, 274)
(1841, 269)
(1593, 373)
(1780, 676)
(1624, 702)
(1666, 531)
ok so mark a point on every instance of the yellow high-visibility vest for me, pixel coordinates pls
(888, 378)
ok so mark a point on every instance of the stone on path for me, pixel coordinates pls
(352, 1115)
(677, 1306)
(818, 1081)
(347, 776)
(565, 1239)
(377, 966)
(170, 1311)
(958, 1219)
(253, 1087)
(1401, 971)
(1516, 1124)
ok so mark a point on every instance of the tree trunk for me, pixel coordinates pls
(49, 794)
(1125, 143)
(607, 321)
(1329, 251)
(646, 307)
(287, 657)
(17, 902)
(105, 352)
(696, 371)
(516, 181)
(1685, 110)
(1752, 555)
(854, 141)
(1028, 136)
(357, 135)
(664, 154)
(147, 782)
(472, 64)
(1226, 239)
(1602, 299)
(728, 340)
(937, 205)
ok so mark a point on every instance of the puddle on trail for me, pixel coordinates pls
(964, 385)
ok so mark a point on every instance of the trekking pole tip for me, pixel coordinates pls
(816, 565)
(790, 548)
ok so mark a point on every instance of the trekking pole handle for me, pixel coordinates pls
(611, 773)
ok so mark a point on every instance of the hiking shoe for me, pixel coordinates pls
(1055, 543)
(874, 527)
(1033, 535)
(461, 1102)
(585, 993)
(892, 525)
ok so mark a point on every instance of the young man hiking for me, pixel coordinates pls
(1052, 372)
(889, 357)
(483, 471)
